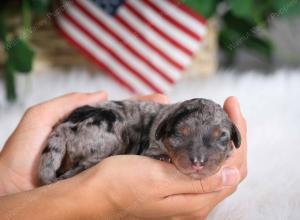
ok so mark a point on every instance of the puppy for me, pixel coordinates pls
(195, 135)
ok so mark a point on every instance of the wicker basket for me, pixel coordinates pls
(53, 51)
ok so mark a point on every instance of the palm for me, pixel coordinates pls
(21, 161)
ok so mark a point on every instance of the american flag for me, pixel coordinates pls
(143, 44)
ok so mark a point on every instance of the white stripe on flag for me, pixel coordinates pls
(133, 41)
(165, 26)
(181, 16)
(101, 34)
(102, 55)
(155, 38)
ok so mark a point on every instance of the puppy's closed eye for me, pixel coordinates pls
(185, 131)
(217, 133)
(224, 140)
(224, 136)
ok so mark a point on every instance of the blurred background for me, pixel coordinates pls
(185, 49)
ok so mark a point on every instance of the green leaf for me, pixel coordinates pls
(285, 8)
(40, 7)
(206, 8)
(235, 31)
(227, 44)
(20, 55)
(228, 40)
(241, 25)
(10, 87)
(262, 13)
(261, 45)
(26, 15)
(239, 33)
(242, 8)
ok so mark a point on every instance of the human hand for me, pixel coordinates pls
(238, 160)
(136, 187)
(199, 205)
(20, 156)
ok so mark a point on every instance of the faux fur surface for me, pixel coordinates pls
(270, 103)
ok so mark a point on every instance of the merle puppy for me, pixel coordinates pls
(195, 135)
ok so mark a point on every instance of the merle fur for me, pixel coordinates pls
(90, 134)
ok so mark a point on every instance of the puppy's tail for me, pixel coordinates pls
(51, 159)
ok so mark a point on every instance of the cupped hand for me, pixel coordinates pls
(129, 186)
(20, 156)
(137, 187)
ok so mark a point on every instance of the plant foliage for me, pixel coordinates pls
(19, 55)
(243, 21)
(241, 25)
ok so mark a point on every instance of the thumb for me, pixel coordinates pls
(226, 177)
(178, 183)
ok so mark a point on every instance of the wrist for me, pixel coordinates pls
(48, 202)
(91, 196)
(12, 182)
(2, 177)
(5, 188)
(2, 187)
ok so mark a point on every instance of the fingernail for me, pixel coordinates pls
(231, 176)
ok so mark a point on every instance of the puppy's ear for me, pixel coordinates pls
(168, 125)
(235, 136)
(161, 130)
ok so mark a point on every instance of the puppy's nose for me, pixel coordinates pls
(199, 161)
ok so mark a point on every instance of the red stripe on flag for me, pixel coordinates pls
(172, 20)
(111, 52)
(189, 11)
(141, 37)
(90, 56)
(123, 42)
(156, 29)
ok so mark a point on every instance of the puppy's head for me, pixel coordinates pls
(198, 136)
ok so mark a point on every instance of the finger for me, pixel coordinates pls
(239, 157)
(160, 98)
(226, 177)
(170, 181)
(166, 180)
(200, 210)
(232, 107)
(186, 203)
(22, 149)
(58, 108)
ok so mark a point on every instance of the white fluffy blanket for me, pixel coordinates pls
(271, 104)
